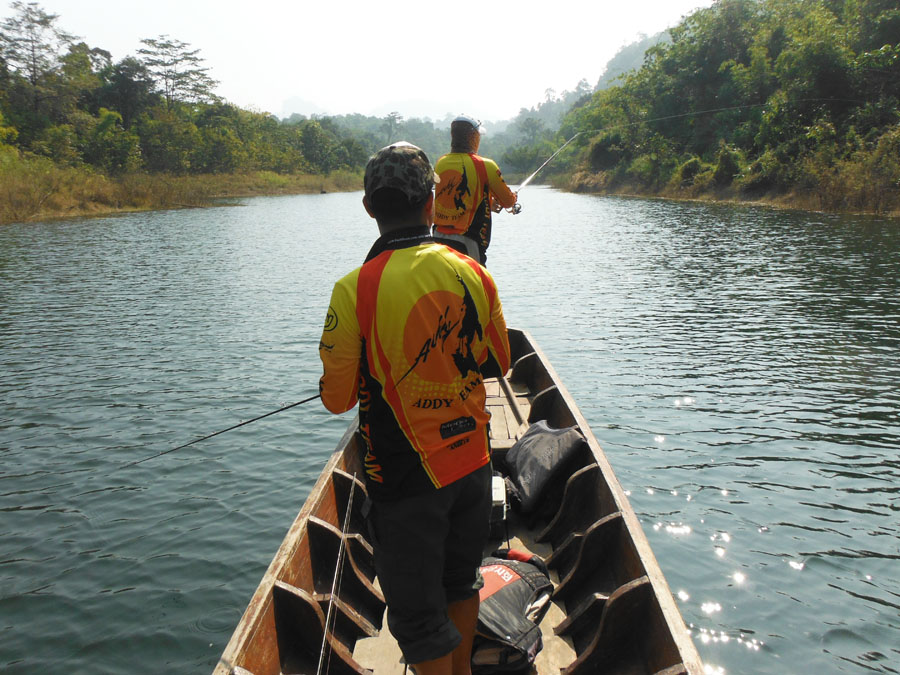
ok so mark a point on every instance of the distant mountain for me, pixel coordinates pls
(539, 121)
(630, 57)
(301, 107)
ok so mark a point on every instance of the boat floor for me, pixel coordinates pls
(381, 653)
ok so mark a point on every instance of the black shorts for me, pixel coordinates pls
(428, 550)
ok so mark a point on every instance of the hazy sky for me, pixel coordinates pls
(420, 58)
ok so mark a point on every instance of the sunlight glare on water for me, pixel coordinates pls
(738, 365)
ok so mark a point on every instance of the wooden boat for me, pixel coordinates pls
(611, 611)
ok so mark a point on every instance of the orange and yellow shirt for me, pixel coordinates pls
(411, 335)
(462, 203)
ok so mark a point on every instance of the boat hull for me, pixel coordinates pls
(612, 610)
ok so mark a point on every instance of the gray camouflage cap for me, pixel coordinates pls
(402, 166)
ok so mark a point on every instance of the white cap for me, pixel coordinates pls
(471, 120)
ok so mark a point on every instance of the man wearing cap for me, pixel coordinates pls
(411, 335)
(470, 189)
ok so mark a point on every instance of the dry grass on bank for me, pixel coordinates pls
(831, 197)
(37, 189)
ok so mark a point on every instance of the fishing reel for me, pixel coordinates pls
(515, 209)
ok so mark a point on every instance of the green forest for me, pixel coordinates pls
(793, 100)
(797, 99)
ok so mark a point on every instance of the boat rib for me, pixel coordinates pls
(611, 611)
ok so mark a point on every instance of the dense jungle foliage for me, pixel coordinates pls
(753, 98)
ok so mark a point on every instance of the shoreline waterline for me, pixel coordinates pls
(70, 193)
(211, 190)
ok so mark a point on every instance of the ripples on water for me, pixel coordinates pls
(738, 365)
(745, 388)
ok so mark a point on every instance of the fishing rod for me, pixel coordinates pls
(591, 131)
(549, 159)
(525, 182)
(244, 423)
(517, 208)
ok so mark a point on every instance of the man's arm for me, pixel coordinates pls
(340, 349)
(499, 189)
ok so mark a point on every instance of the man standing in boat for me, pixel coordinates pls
(470, 190)
(411, 335)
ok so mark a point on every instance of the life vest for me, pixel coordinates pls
(514, 599)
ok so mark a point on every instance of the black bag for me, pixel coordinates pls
(540, 456)
(514, 599)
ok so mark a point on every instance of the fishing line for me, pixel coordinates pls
(672, 117)
(244, 423)
(549, 159)
(335, 583)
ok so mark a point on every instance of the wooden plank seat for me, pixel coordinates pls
(356, 586)
(301, 635)
(584, 559)
(628, 638)
(609, 651)
(549, 404)
(586, 495)
(343, 484)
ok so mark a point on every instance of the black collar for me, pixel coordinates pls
(409, 236)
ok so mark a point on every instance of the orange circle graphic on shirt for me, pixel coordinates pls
(431, 336)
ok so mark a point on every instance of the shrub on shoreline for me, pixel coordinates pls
(35, 188)
(834, 175)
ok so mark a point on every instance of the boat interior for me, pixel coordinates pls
(611, 610)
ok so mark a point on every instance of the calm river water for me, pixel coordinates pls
(740, 366)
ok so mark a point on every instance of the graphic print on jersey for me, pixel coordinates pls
(442, 321)
(454, 194)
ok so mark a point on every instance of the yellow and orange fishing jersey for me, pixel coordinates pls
(462, 203)
(411, 334)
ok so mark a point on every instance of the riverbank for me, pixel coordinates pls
(40, 190)
(37, 189)
(856, 202)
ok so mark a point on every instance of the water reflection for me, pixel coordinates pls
(781, 330)
(738, 365)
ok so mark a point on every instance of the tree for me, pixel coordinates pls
(357, 155)
(318, 147)
(30, 42)
(108, 146)
(7, 134)
(391, 122)
(220, 151)
(79, 78)
(532, 128)
(168, 142)
(30, 47)
(59, 142)
(582, 90)
(178, 71)
(127, 88)
(879, 24)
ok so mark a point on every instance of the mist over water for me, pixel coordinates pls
(738, 365)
